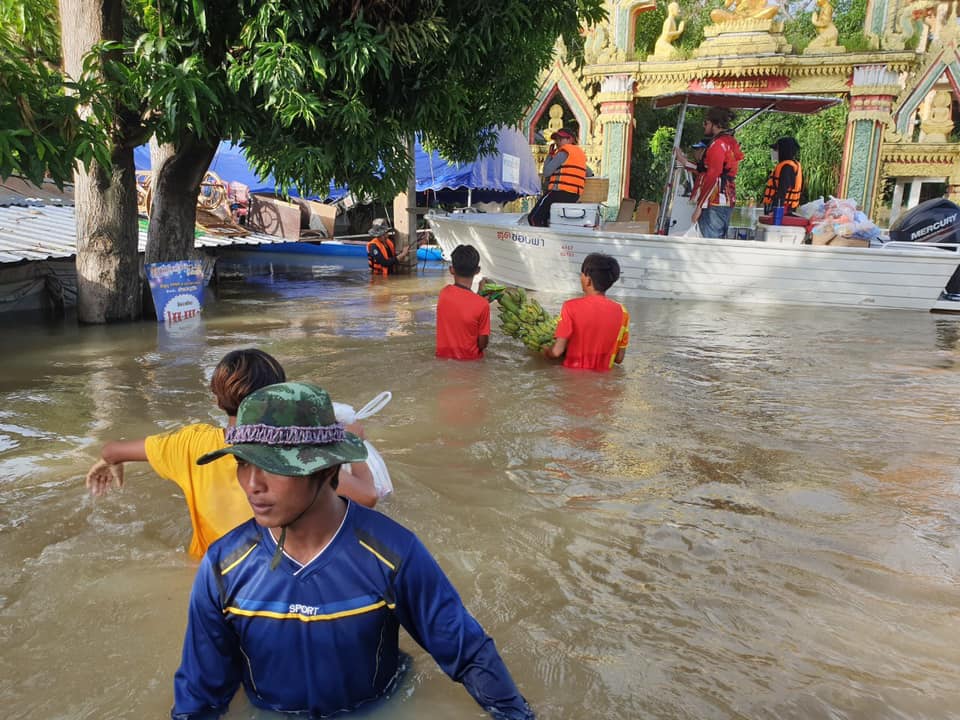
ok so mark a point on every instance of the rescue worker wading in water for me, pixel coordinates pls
(382, 255)
(565, 171)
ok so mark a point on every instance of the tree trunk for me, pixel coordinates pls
(173, 214)
(108, 272)
(108, 276)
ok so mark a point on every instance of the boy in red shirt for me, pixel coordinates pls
(594, 331)
(463, 317)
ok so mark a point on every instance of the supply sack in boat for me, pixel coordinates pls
(693, 231)
(378, 468)
(812, 210)
(521, 317)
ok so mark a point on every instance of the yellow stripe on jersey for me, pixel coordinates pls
(310, 618)
(379, 556)
(239, 560)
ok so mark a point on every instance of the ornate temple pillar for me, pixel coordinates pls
(616, 125)
(872, 96)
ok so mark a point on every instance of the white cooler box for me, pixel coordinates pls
(578, 214)
(783, 234)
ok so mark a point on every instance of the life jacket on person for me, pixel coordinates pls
(572, 175)
(791, 196)
(387, 250)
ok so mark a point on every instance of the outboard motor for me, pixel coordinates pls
(933, 221)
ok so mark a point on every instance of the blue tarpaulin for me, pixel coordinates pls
(230, 165)
(511, 170)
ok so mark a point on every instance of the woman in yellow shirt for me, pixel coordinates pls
(214, 498)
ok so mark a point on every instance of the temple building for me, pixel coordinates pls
(902, 95)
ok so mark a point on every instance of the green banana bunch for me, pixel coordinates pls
(491, 291)
(524, 318)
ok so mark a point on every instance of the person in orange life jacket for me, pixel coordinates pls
(784, 183)
(716, 191)
(594, 331)
(382, 254)
(216, 503)
(463, 316)
(565, 172)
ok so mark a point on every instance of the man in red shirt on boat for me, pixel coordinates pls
(594, 331)
(463, 317)
(716, 192)
(382, 255)
(565, 171)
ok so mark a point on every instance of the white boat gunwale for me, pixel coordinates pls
(658, 266)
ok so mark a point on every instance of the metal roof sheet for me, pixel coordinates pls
(41, 232)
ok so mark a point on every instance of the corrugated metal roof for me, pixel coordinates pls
(39, 232)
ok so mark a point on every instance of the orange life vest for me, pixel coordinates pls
(791, 196)
(387, 250)
(572, 175)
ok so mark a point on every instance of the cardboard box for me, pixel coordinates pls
(822, 235)
(575, 214)
(839, 241)
(273, 216)
(595, 190)
(322, 215)
(647, 211)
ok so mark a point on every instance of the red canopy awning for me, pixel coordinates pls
(798, 104)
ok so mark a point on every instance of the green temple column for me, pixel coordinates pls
(616, 123)
(872, 96)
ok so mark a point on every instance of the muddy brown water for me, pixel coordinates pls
(756, 517)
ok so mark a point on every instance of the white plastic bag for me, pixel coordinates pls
(378, 468)
(693, 231)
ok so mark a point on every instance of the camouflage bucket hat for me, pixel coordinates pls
(289, 429)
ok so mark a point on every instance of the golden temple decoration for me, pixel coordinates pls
(938, 123)
(750, 24)
(599, 49)
(672, 30)
(908, 22)
(556, 120)
(826, 39)
(744, 10)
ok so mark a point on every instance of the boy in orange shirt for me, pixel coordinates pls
(463, 317)
(593, 331)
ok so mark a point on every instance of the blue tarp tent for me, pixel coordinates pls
(507, 174)
(510, 172)
(230, 165)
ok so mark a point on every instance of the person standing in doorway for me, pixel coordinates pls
(565, 173)
(716, 192)
(382, 255)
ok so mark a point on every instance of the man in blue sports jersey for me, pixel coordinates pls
(303, 604)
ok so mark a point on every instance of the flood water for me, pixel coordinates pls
(755, 517)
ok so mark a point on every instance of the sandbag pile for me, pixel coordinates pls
(521, 317)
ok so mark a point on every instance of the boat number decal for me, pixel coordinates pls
(521, 239)
(566, 251)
